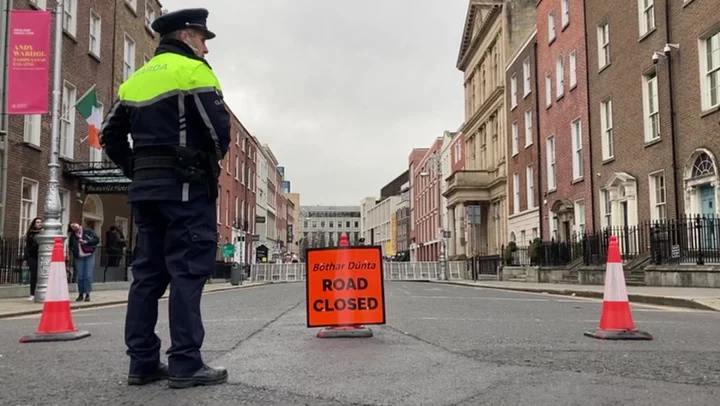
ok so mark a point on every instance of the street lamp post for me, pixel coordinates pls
(434, 163)
(52, 227)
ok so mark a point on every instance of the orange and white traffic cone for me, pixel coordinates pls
(616, 322)
(349, 331)
(56, 323)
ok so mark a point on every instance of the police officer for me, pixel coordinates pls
(173, 109)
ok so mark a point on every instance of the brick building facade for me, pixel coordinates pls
(524, 196)
(87, 61)
(416, 155)
(630, 114)
(567, 203)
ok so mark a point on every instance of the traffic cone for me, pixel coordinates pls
(56, 322)
(616, 322)
(350, 331)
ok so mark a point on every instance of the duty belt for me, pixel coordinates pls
(183, 164)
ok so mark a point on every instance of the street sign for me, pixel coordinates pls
(228, 250)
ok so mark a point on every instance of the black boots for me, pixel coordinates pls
(205, 376)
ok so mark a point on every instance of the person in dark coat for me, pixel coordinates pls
(82, 243)
(31, 252)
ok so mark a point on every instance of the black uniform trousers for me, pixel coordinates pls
(176, 245)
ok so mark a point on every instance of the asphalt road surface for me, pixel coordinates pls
(443, 345)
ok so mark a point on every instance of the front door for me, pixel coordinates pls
(708, 210)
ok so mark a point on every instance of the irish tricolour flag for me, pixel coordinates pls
(89, 108)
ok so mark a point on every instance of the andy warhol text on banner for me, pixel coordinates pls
(29, 62)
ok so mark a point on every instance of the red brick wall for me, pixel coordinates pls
(413, 161)
(426, 202)
(556, 120)
(82, 70)
(527, 155)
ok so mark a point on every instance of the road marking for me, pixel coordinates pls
(511, 299)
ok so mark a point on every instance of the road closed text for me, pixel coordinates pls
(345, 286)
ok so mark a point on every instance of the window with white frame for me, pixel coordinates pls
(33, 129)
(528, 128)
(513, 91)
(565, 13)
(551, 26)
(95, 153)
(658, 202)
(550, 159)
(526, 76)
(603, 42)
(606, 207)
(227, 208)
(606, 130)
(530, 187)
(41, 4)
(651, 116)
(646, 16)
(237, 167)
(128, 57)
(548, 89)
(514, 138)
(577, 146)
(69, 22)
(516, 193)
(217, 206)
(64, 207)
(95, 34)
(149, 13)
(559, 76)
(710, 71)
(67, 121)
(579, 216)
(28, 203)
(573, 68)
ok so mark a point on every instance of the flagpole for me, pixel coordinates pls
(64, 116)
(52, 227)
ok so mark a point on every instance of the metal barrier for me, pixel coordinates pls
(393, 271)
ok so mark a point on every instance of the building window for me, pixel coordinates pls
(227, 208)
(513, 91)
(41, 4)
(573, 69)
(658, 196)
(149, 14)
(33, 129)
(530, 187)
(28, 204)
(526, 76)
(237, 167)
(577, 146)
(579, 217)
(565, 13)
(514, 138)
(651, 118)
(560, 76)
(603, 41)
(551, 26)
(606, 130)
(528, 128)
(128, 57)
(646, 16)
(550, 152)
(69, 23)
(67, 121)
(606, 207)
(95, 34)
(217, 205)
(95, 154)
(710, 71)
(548, 89)
(516, 192)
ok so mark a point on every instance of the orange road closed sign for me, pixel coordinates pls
(345, 286)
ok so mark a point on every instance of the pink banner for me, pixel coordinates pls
(28, 62)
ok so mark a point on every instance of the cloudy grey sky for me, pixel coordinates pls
(340, 90)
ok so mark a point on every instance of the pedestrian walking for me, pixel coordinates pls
(31, 252)
(174, 111)
(82, 243)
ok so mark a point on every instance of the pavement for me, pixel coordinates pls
(695, 298)
(22, 306)
(443, 344)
